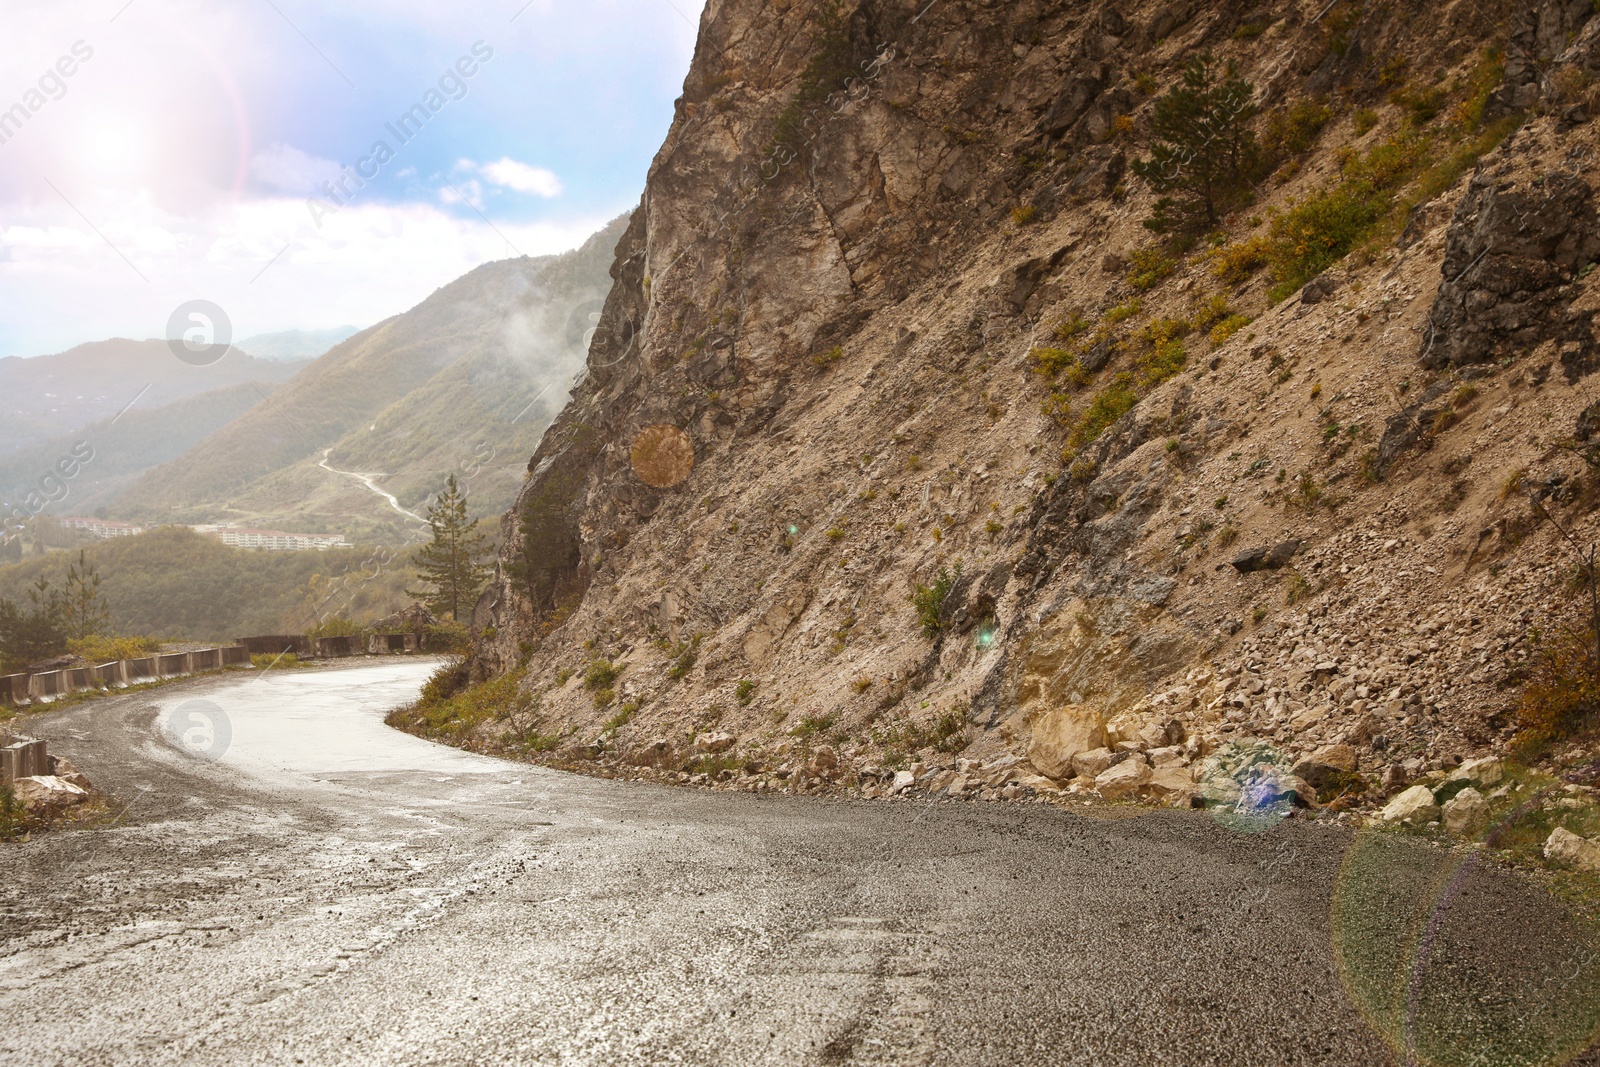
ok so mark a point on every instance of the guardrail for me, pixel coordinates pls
(48, 685)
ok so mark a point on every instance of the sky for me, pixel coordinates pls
(301, 164)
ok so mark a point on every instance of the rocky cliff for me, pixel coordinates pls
(904, 444)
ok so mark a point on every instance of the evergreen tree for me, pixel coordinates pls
(28, 636)
(84, 609)
(449, 563)
(1205, 157)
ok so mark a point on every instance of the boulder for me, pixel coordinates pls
(658, 753)
(1564, 846)
(903, 780)
(1466, 814)
(44, 795)
(1487, 772)
(62, 768)
(1265, 559)
(1096, 761)
(824, 762)
(713, 742)
(1169, 783)
(1061, 733)
(1318, 289)
(1123, 781)
(1415, 805)
(1324, 767)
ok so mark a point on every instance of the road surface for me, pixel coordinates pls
(294, 882)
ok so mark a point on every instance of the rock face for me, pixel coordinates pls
(1510, 253)
(870, 445)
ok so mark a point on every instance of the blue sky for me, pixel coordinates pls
(167, 150)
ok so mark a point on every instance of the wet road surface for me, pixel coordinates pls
(294, 882)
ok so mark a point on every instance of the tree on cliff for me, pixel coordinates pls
(1205, 156)
(449, 563)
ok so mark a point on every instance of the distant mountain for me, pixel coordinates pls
(289, 345)
(466, 381)
(44, 397)
(126, 447)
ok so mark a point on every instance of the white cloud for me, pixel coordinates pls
(363, 264)
(285, 169)
(467, 192)
(522, 177)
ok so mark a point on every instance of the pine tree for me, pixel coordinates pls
(449, 563)
(84, 611)
(1205, 154)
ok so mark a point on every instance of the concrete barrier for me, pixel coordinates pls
(23, 757)
(45, 686)
(140, 670)
(329, 647)
(80, 678)
(111, 675)
(174, 664)
(277, 644)
(206, 659)
(235, 656)
(14, 689)
(390, 644)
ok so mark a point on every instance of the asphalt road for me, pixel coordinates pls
(294, 882)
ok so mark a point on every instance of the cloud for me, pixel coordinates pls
(522, 177)
(285, 169)
(467, 192)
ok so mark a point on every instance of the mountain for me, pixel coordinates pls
(125, 447)
(1085, 392)
(43, 397)
(291, 345)
(464, 382)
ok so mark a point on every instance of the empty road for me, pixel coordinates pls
(294, 882)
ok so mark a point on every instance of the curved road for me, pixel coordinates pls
(294, 882)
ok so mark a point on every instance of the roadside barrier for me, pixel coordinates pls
(48, 685)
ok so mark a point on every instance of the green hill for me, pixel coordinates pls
(175, 583)
(466, 381)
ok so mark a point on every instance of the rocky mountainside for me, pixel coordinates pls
(465, 381)
(906, 445)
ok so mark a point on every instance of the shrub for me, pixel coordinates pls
(1108, 405)
(1024, 215)
(446, 682)
(1227, 328)
(830, 357)
(96, 648)
(1048, 362)
(1293, 130)
(1561, 697)
(1205, 157)
(683, 654)
(600, 674)
(1235, 263)
(1363, 119)
(745, 691)
(1321, 229)
(929, 600)
(287, 661)
(1147, 267)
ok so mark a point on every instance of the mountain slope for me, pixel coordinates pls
(126, 446)
(48, 396)
(438, 388)
(980, 465)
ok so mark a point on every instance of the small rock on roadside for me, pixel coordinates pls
(1567, 847)
(1416, 804)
